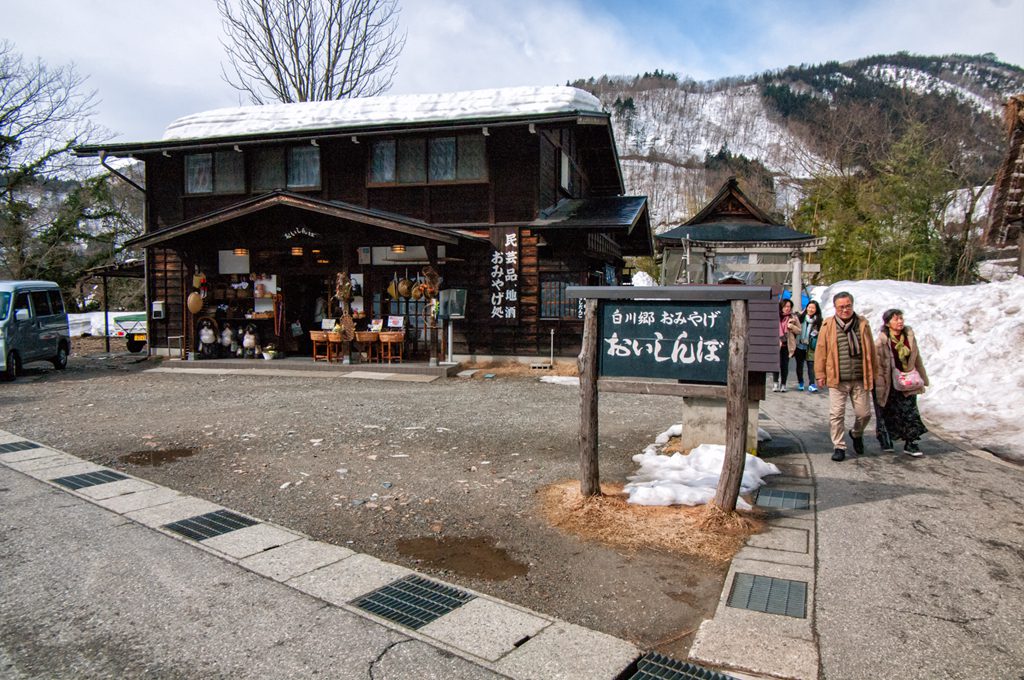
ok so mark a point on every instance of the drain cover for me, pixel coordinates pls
(74, 482)
(786, 500)
(769, 595)
(654, 666)
(413, 601)
(17, 446)
(211, 524)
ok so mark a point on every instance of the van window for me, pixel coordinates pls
(56, 302)
(5, 304)
(41, 302)
(21, 302)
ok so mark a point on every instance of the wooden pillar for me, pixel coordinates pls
(590, 479)
(735, 411)
(106, 317)
(798, 280)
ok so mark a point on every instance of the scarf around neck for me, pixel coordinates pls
(900, 347)
(852, 337)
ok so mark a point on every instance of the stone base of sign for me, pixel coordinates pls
(704, 422)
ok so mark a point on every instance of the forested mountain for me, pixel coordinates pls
(679, 139)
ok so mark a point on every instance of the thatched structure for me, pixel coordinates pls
(1006, 215)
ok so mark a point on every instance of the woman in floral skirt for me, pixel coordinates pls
(897, 415)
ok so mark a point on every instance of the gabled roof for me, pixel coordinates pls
(365, 115)
(339, 209)
(732, 218)
(625, 218)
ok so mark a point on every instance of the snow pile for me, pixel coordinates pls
(91, 323)
(688, 479)
(560, 379)
(386, 110)
(643, 279)
(970, 338)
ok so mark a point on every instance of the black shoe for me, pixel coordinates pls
(858, 444)
(838, 455)
(912, 449)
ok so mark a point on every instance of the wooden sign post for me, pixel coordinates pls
(696, 336)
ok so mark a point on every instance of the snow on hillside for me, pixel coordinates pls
(970, 338)
(682, 125)
(923, 83)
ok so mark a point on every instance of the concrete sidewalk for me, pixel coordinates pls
(96, 584)
(914, 567)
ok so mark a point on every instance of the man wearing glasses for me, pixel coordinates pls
(844, 361)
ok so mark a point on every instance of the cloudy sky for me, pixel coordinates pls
(151, 61)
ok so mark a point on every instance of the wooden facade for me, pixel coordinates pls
(351, 221)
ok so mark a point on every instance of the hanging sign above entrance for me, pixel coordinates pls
(299, 231)
(687, 341)
(504, 275)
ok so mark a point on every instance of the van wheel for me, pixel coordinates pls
(60, 362)
(13, 367)
(135, 346)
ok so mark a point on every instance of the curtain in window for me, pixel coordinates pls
(382, 161)
(229, 177)
(304, 166)
(472, 163)
(442, 159)
(268, 172)
(198, 173)
(411, 160)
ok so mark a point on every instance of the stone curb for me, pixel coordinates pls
(500, 636)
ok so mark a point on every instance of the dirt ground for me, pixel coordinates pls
(456, 478)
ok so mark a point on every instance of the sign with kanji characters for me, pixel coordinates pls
(504, 275)
(687, 341)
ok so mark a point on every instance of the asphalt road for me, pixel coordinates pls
(920, 564)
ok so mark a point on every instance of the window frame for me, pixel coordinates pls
(567, 309)
(213, 191)
(427, 142)
(285, 151)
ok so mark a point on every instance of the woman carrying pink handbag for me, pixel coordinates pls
(900, 377)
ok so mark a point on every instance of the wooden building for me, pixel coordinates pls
(511, 194)
(734, 240)
(1006, 210)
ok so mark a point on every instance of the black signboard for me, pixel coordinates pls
(504, 275)
(687, 341)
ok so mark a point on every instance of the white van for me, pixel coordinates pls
(33, 326)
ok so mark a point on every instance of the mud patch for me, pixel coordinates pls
(468, 556)
(156, 458)
(704, 532)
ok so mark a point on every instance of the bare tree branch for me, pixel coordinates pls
(310, 50)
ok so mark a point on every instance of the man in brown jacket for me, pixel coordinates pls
(844, 361)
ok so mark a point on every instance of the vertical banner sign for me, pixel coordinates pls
(687, 341)
(504, 275)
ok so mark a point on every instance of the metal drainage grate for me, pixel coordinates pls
(785, 500)
(654, 666)
(201, 527)
(75, 482)
(413, 601)
(769, 595)
(18, 446)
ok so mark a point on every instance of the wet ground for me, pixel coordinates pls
(441, 477)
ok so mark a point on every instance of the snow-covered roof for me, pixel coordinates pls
(386, 110)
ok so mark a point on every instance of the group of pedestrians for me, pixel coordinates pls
(883, 372)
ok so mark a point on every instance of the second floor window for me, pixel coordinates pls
(296, 167)
(222, 172)
(418, 160)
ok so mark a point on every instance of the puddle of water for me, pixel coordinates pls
(476, 557)
(156, 458)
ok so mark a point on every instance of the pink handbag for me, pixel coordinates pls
(906, 381)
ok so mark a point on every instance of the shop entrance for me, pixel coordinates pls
(301, 292)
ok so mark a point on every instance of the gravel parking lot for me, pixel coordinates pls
(443, 477)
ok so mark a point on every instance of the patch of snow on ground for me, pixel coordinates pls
(970, 339)
(560, 379)
(688, 479)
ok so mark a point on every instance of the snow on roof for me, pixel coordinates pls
(386, 110)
